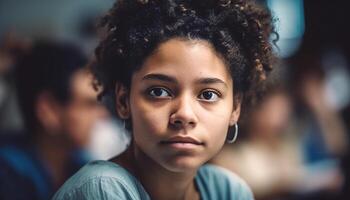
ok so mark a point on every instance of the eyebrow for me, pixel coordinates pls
(211, 81)
(165, 78)
(160, 77)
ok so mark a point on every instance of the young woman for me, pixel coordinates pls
(179, 71)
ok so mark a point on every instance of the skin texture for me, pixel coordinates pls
(183, 90)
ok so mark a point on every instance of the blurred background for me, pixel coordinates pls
(293, 144)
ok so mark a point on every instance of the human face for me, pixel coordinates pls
(181, 105)
(272, 117)
(83, 110)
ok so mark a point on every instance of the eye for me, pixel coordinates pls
(209, 95)
(159, 92)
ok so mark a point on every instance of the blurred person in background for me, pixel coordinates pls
(59, 108)
(329, 42)
(320, 76)
(322, 131)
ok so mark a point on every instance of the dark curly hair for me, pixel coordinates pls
(238, 30)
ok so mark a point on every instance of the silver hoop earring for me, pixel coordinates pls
(235, 135)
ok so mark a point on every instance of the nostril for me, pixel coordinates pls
(177, 122)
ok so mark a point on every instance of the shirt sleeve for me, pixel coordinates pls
(103, 188)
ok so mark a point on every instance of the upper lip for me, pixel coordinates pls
(182, 139)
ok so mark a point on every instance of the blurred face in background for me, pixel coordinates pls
(83, 110)
(272, 116)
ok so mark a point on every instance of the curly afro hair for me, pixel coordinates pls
(238, 30)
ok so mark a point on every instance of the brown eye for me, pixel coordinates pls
(159, 92)
(209, 96)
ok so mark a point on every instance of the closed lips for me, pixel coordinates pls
(182, 140)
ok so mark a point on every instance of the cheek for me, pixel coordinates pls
(148, 121)
(77, 125)
(78, 121)
(216, 123)
(217, 130)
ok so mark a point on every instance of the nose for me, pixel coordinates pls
(183, 115)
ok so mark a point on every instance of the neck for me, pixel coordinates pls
(159, 182)
(54, 154)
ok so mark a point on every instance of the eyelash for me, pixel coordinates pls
(169, 94)
(149, 91)
(218, 95)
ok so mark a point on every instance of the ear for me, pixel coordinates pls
(48, 113)
(236, 111)
(122, 101)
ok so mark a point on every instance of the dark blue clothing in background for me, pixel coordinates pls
(24, 176)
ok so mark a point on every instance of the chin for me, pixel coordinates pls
(183, 165)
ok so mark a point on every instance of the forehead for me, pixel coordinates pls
(189, 59)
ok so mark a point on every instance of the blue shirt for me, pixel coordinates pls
(23, 175)
(107, 180)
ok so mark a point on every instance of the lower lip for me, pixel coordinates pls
(181, 145)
